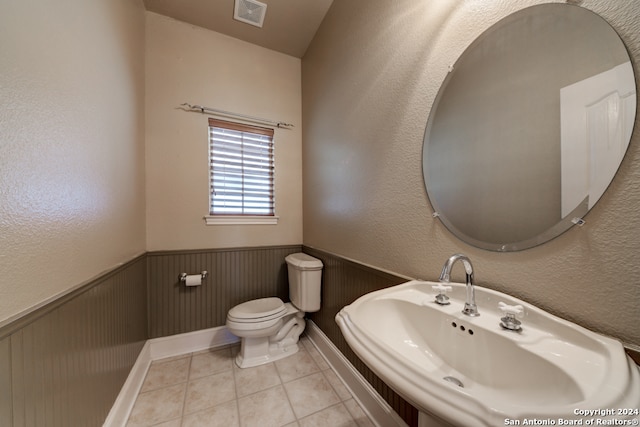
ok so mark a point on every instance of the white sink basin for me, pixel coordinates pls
(551, 370)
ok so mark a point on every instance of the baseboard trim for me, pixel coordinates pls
(119, 413)
(189, 342)
(160, 348)
(378, 410)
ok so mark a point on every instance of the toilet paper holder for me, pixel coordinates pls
(183, 276)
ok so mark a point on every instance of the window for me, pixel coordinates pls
(241, 171)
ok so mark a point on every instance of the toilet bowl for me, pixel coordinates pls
(267, 335)
(270, 328)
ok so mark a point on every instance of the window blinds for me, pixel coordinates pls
(241, 169)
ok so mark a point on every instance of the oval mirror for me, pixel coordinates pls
(529, 127)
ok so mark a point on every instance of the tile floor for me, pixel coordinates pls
(208, 389)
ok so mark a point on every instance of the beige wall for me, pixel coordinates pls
(369, 80)
(71, 145)
(185, 63)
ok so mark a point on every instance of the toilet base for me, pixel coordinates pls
(249, 359)
(256, 351)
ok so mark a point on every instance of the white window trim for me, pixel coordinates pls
(241, 220)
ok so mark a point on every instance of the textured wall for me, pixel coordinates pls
(369, 80)
(190, 64)
(71, 143)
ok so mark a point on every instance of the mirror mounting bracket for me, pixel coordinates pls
(578, 221)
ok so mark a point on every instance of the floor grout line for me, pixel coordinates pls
(186, 389)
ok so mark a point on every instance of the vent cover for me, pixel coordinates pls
(250, 12)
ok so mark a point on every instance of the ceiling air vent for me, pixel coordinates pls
(250, 12)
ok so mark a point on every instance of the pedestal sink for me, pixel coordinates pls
(471, 371)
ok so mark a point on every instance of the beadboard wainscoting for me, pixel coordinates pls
(343, 281)
(234, 276)
(64, 363)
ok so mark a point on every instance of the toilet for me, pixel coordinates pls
(270, 328)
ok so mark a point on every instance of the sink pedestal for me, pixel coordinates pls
(426, 420)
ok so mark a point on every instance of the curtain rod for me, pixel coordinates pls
(188, 107)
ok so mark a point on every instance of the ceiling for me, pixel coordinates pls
(289, 25)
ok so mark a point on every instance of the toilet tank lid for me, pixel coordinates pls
(303, 261)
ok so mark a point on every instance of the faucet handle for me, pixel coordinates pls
(509, 321)
(442, 298)
(514, 310)
(441, 288)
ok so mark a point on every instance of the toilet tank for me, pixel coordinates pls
(305, 277)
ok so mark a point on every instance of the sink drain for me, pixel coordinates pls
(454, 380)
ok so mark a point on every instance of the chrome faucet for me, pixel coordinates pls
(470, 307)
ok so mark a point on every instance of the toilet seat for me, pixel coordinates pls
(258, 310)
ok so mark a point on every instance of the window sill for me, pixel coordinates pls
(241, 220)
